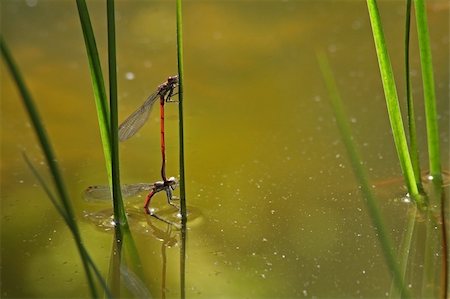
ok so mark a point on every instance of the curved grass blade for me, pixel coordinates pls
(52, 164)
(67, 221)
(355, 160)
(133, 283)
(46, 189)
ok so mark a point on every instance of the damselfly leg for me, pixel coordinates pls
(168, 186)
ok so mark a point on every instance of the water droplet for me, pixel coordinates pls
(129, 75)
(406, 198)
(31, 3)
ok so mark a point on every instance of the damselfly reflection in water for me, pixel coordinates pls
(138, 221)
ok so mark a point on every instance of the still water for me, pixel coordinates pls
(275, 209)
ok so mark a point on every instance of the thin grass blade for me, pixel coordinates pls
(428, 90)
(119, 210)
(413, 147)
(355, 160)
(46, 189)
(51, 162)
(181, 142)
(67, 221)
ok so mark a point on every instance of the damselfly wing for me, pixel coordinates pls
(139, 117)
(94, 193)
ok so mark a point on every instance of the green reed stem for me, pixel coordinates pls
(119, 210)
(52, 164)
(98, 86)
(180, 107)
(393, 107)
(123, 234)
(428, 90)
(414, 150)
(355, 160)
(181, 141)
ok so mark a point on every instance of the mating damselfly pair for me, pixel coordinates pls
(129, 128)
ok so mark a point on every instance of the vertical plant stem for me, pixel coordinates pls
(393, 106)
(414, 150)
(119, 210)
(123, 234)
(355, 160)
(119, 213)
(180, 108)
(428, 90)
(98, 85)
(181, 142)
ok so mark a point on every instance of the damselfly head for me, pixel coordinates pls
(172, 182)
(172, 80)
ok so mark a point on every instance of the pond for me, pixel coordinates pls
(274, 207)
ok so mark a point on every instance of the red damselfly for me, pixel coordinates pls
(137, 119)
(127, 129)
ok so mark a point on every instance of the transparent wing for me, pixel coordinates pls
(93, 193)
(137, 119)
